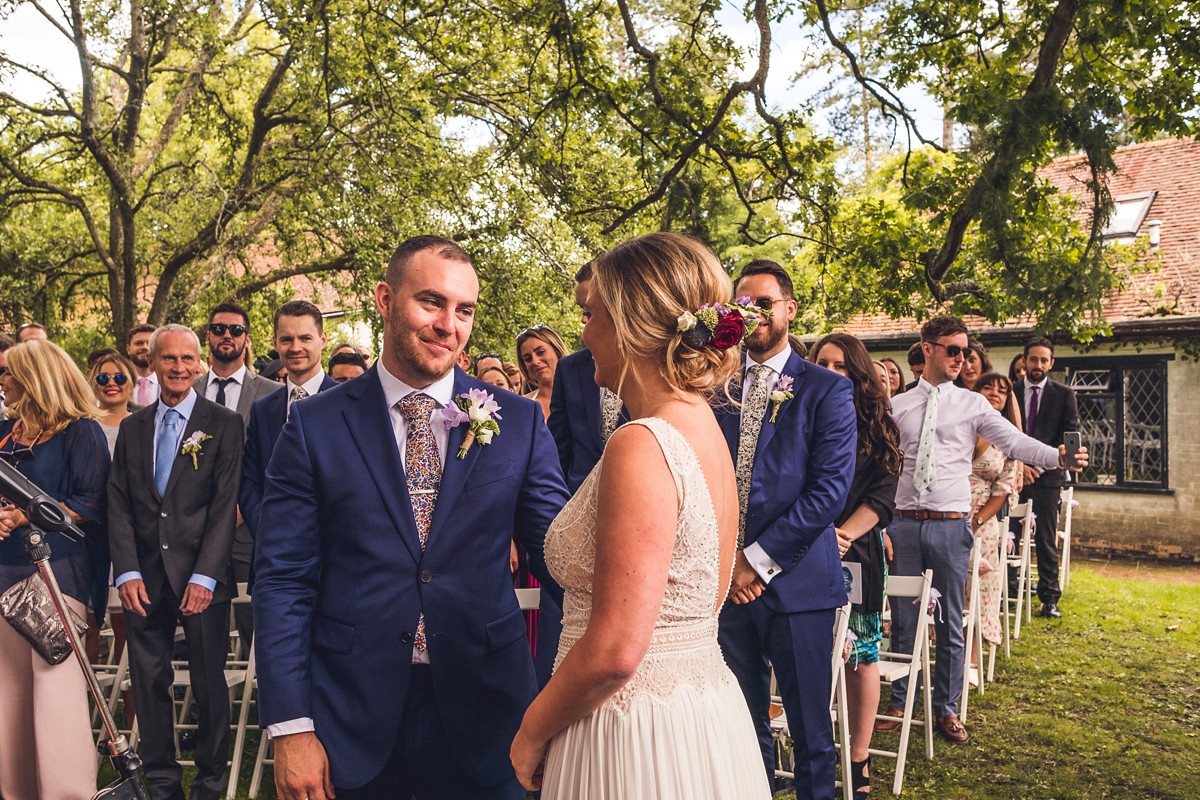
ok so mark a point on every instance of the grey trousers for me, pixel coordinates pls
(945, 547)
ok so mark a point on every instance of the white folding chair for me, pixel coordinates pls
(973, 633)
(1013, 610)
(837, 706)
(914, 666)
(530, 599)
(1063, 536)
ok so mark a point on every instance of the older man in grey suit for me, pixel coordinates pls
(231, 384)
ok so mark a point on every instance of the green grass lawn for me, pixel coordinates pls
(1102, 703)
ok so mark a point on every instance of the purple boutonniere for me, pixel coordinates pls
(782, 393)
(480, 409)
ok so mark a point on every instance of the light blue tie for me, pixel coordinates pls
(164, 449)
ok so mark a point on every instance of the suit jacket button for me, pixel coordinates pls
(406, 637)
(163, 515)
(164, 547)
(426, 576)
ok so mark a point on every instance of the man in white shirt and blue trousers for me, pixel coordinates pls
(939, 425)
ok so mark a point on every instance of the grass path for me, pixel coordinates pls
(1104, 703)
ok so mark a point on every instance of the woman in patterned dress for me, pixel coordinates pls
(994, 477)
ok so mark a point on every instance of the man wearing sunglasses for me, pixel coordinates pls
(939, 426)
(229, 383)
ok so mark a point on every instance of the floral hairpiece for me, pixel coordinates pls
(721, 325)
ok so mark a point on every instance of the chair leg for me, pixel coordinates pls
(991, 670)
(265, 746)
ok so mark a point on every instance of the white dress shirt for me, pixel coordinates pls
(394, 390)
(312, 386)
(762, 563)
(233, 390)
(962, 417)
(184, 409)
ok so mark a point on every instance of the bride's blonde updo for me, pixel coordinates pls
(646, 284)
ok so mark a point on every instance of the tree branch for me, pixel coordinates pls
(334, 264)
(1003, 159)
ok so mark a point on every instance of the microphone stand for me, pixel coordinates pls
(46, 514)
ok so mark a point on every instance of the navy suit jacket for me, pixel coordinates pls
(803, 466)
(267, 416)
(575, 417)
(342, 579)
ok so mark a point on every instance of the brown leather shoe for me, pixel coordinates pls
(894, 724)
(952, 730)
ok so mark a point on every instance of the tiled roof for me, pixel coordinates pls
(1169, 167)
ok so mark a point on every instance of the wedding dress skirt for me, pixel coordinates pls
(679, 729)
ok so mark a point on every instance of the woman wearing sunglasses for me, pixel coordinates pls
(53, 438)
(113, 378)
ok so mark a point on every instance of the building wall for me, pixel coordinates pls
(1109, 522)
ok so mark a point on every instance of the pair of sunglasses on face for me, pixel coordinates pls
(118, 378)
(219, 328)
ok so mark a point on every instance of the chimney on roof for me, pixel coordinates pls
(1155, 226)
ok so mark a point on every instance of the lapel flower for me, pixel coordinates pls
(782, 393)
(480, 410)
(191, 446)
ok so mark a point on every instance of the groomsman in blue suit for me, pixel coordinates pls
(582, 415)
(794, 458)
(392, 654)
(299, 340)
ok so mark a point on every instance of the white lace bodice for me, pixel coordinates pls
(684, 647)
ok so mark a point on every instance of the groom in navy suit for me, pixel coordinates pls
(794, 460)
(392, 654)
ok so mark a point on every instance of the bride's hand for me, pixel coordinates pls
(528, 759)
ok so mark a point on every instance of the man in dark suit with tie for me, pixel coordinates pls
(231, 384)
(299, 340)
(393, 661)
(794, 460)
(172, 498)
(582, 415)
(1048, 410)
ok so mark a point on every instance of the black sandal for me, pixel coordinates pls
(860, 781)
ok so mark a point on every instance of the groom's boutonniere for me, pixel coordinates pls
(191, 446)
(782, 393)
(481, 410)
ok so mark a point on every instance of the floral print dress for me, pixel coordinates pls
(992, 474)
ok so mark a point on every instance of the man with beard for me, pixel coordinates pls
(229, 383)
(1049, 411)
(392, 654)
(146, 390)
(793, 440)
(299, 340)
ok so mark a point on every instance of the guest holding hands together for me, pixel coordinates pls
(869, 507)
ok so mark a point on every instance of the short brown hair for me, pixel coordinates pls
(5, 342)
(584, 273)
(1040, 341)
(763, 266)
(229, 307)
(938, 327)
(299, 308)
(398, 263)
(139, 329)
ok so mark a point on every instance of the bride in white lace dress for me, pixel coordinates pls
(641, 704)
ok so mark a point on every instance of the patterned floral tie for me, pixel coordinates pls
(422, 472)
(298, 393)
(610, 413)
(926, 475)
(754, 408)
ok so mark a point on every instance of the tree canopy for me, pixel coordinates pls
(214, 150)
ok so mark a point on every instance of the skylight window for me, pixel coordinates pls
(1129, 211)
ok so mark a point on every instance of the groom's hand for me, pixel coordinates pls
(302, 768)
(743, 574)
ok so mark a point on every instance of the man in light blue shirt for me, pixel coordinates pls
(172, 498)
